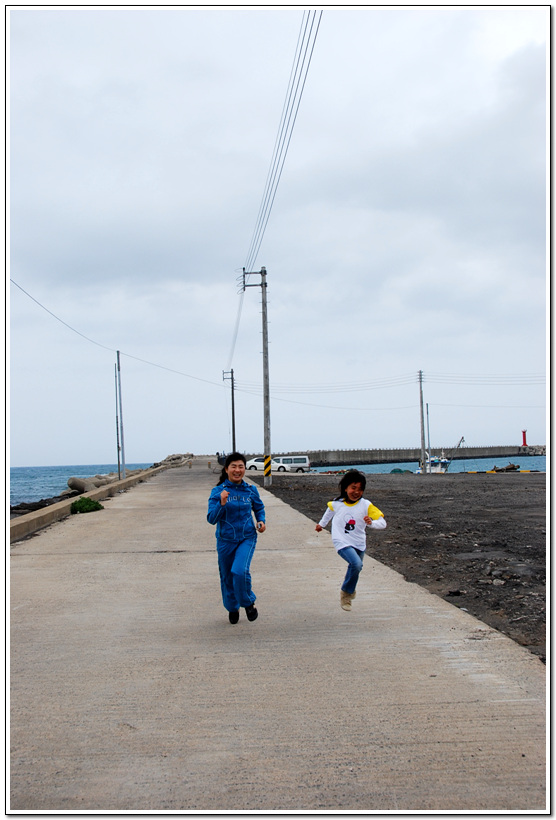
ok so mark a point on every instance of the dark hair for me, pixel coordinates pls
(229, 459)
(351, 477)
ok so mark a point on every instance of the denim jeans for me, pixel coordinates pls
(234, 561)
(354, 558)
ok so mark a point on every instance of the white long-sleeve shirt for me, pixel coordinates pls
(348, 524)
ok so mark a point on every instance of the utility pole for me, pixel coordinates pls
(423, 456)
(428, 434)
(117, 422)
(266, 380)
(225, 375)
(121, 414)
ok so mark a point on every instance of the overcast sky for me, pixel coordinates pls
(408, 231)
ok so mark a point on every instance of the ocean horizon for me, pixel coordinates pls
(30, 484)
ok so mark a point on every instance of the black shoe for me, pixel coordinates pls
(234, 616)
(251, 613)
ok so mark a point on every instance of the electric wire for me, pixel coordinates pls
(331, 388)
(276, 144)
(493, 379)
(513, 380)
(58, 318)
(236, 329)
(255, 389)
(494, 406)
(334, 407)
(112, 349)
(403, 407)
(302, 61)
(298, 75)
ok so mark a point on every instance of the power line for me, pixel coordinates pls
(253, 388)
(485, 379)
(302, 61)
(111, 349)
(397, 381)
(58, 318)
(236, 329)
(494, 406)
(296, 85)
(329, 406)
(331, 388)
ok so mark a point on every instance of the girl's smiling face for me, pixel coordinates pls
(354, 492)
(235, 471)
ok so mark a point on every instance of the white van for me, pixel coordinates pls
(293, 464)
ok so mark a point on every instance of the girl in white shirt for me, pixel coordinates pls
(351, 514)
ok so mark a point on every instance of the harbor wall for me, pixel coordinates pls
(31, 522)
(324, 458)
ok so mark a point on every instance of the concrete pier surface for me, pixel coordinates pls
(131, 691)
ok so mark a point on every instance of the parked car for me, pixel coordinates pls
(293, 464)
(258, 464)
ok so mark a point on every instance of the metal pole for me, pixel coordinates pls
(423, 457)
(266, 380)
(225, 374)
(117, 423)
(121, 414)
(429, 434)
(266, 387)
(233, 416)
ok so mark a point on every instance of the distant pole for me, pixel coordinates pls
(266, 379)
(117, 422)
(121, 414)
(266, 387)
(428, 433)
(233, 414)
(224, 375)
(423, 456)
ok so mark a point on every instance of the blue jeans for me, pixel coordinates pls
(355, 565)
(234, 561)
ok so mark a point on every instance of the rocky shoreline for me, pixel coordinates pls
(478, 541)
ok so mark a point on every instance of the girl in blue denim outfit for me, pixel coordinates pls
(231, 506)
(351, 514)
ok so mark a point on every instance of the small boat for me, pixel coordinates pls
(439, 464)
(436, 464)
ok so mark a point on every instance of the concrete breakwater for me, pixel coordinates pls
(96, 488)
(332, 458)
(84, 485)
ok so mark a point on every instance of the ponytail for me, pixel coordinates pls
(229, 459)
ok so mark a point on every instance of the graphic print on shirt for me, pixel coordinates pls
(350, 524)
(243, 499)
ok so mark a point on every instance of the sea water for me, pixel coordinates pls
(28, 484)
(464, 465)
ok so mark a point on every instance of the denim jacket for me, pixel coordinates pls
(234, 519)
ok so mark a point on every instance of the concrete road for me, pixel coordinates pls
(132, 692)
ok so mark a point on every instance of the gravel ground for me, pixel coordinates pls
(479, 541)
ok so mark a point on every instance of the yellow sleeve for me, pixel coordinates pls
(374, 512)
(330, 505)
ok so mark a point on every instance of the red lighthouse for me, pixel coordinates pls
(524, 433)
